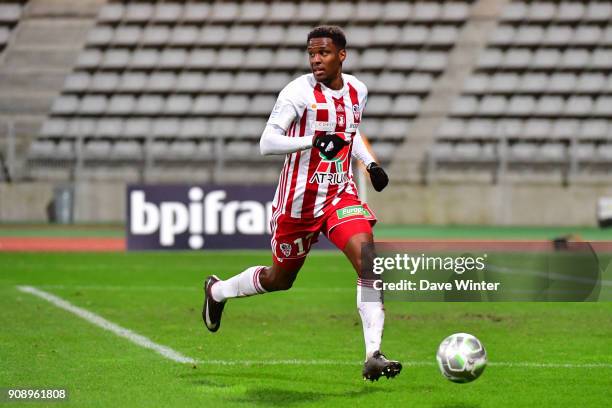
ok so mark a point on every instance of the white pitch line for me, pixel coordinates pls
(99, 321)
(173, 355)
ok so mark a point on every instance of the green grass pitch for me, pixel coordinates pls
(541, 354)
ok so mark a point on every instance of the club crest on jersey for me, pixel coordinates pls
(356, 112)
(341, 121)
(285, 249)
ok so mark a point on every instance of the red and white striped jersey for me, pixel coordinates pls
(309, 182)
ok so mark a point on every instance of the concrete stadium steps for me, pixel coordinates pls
(42, 50)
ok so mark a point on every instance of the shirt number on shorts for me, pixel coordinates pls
(300, 243)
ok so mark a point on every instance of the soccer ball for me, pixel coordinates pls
(461, 357)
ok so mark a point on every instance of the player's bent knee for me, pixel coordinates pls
(275, 279)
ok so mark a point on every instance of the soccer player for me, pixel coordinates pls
(314, 123)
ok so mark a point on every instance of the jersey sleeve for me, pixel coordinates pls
(286, 108)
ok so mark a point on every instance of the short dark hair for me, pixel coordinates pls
(328, 31)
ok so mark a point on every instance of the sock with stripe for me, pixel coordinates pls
(245, 283)
(372, 312)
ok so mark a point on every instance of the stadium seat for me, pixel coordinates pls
(358, 36)
(528, 35)
(533, 83)
(250, 128)
(541, 12)
(262, 105)
(100, 36)
(178, 105)
(504, 83)
(397, 11)
(406, 105)
(156, 36)
(104, 82)
(201, 58)
(517, 58)
(219, 81)
(92, 105)
(54, 127)
(594, 129)
(254, 12)
(161, 82)
(193, 128)
(601, 59)
(502, 36)
(282, 12)
(246, 82)
(476, 84)
(290, 59)
(127, 36)
(340, 12)
(561, 83)
(387, 82)
(557, 35)
(230, 59)
(537, 128)
(312, 12)
(418, 83)
(181, 149)
(584, 151)
(144, 59)
(167, 12)
(603, 106)
(126, 150)
(121, 105)
(138, 12)
(578, 106)
(379, 105)
(368, 11)
(385, 35)
(149, 105)
(565, 129)
(443, 151)
(492, 106)
(166, 127)
(598, 11)
(111, 13)
(172, 59)
(479, 129)
(65, 104)
(587, 36)
(574, 58)
(196, 12)
(132, 82)
(81, 128)
(241, 35)
(591, 83)
(274, 81)
(295, 36)
(224, 12)
(89, 59)
(258, 58)
(212, 35)
(234, 105)
(549, 106)
(183, 36)
(42, 149)
(490, 59)
(455, 12)
(414, 35)
(370, 128)
(223, 127)
(426, 12)
(514, 12)
(522, 151)
(97, 149)
(189, 82)
(521, 106)
(396, 129)
(443, 35)
(109, 128)
(77, 82)
(552, 152)
(206, 104)
(604, 152)
(432, 61)
(137, 127)
(402, 59)
(570, 12)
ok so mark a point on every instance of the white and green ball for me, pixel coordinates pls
(461, 357)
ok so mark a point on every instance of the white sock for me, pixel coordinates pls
(372, 312)
(245, 283)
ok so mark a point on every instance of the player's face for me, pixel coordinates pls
(325, 59)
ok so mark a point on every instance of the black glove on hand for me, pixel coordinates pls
(329, 144)
(378, 176)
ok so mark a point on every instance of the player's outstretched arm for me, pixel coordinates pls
(275, 141)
